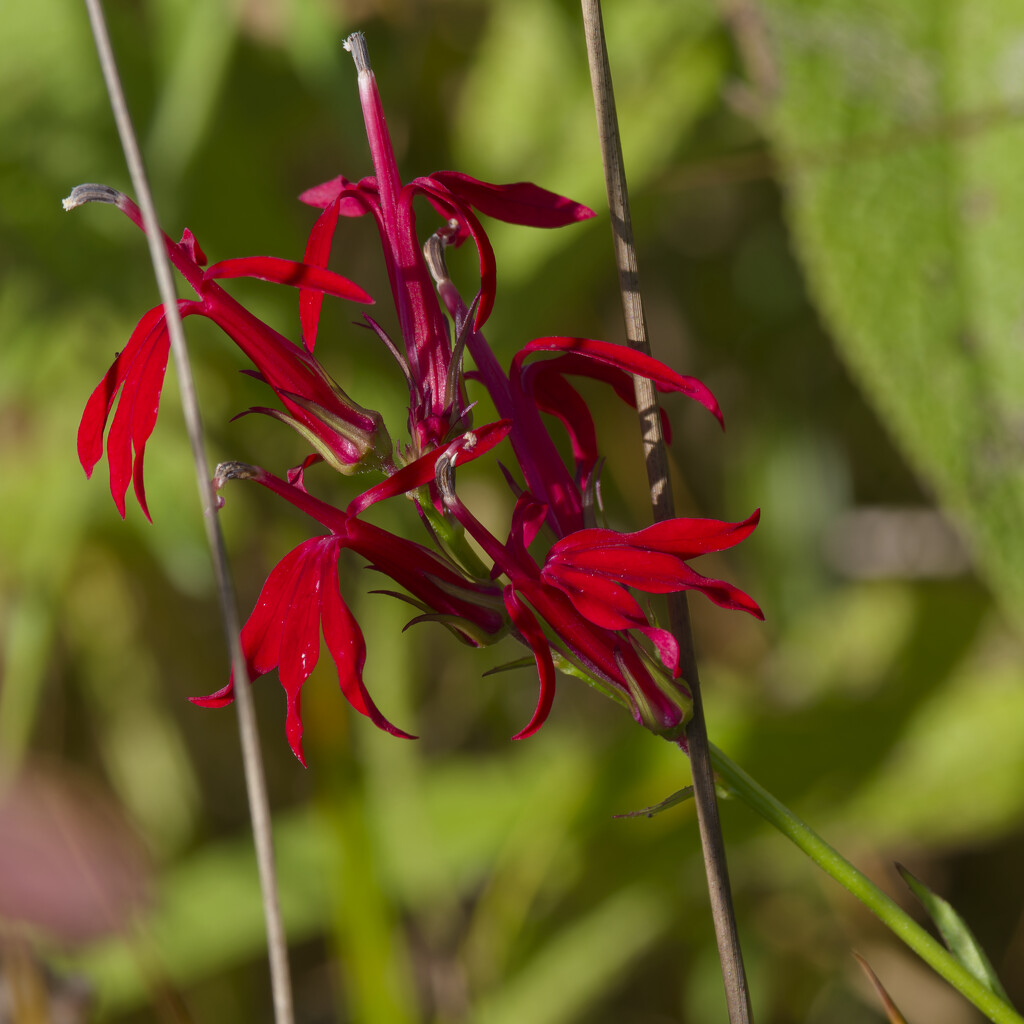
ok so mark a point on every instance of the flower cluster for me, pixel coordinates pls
(573, 606)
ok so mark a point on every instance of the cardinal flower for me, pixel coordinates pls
(580, 594)
(302, 595)
(344, 433)
(574, 605)
(425, 351)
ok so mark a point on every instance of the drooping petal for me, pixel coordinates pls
(537, 378)
(290, 272)
(684, 537)
(261, 635)
(629, 360)
(525, 621)
(318, 254)
(348, 649)
(136, 413)
(554, 395)
(357, 198)
(596, 598)
(451, 206)
(301, 595)
(519, 202)
(97, 409)
(527, 519)
(300, 633)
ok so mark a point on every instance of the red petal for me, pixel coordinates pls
(519, 202)
(220, 699)
(527, 519)
(263, 632)
(357, 198)
(598, 600)
(523, 619)
(348, 648)
(139, 402)
(653, 571)
(554, 395)
(682, 537)
(629, 360)
(290, 272)
(488, 266)
(97, 409)
(580, 366)
(318, 253)
(724, 594)
(688, 538)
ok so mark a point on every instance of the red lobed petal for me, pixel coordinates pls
(630, 361)
(440, 195)
(289, 272)
(653, 571)
(519, 202)
(348, 649)
(600, 601)
(318, 253)
(689, 538)
(300, 635)
(357, 198)
(525, 621)
(97, 408)
(139, 403)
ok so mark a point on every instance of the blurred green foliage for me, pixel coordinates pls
(459, 878)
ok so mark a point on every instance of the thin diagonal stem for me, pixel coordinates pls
(656, 457)
(259, 806)
(885, 909)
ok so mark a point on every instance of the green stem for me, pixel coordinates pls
(888, 912)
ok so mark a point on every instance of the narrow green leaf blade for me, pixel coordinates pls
(680, 795)
(954, 931)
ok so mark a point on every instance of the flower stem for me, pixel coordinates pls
(656, 458)
(259, 806)
(886, 910)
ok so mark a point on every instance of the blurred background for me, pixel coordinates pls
(828, 204)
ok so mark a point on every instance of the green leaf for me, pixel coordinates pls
(901, 152)
(678, 797)
(958, 937)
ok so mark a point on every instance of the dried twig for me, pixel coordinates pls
(252, 762)
(656, 457)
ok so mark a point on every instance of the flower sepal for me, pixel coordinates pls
(369, 447)
(666, 717)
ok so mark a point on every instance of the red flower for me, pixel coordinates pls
(594, 568)
(300, 597)
(344, 433)
(580, 593)
(425, 339)
(573, 608)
